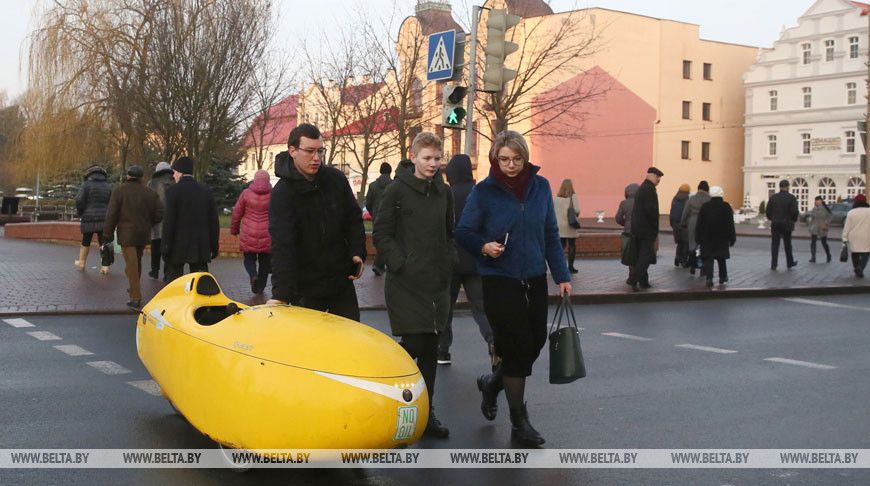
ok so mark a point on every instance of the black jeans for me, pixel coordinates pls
(646, 256)
(723, 268)
(424, 349)
(156, 257)
(571, 243)
(859, 261)
(265, 268)
(172, 271)
(824, 245)
(517, 312)
(682, 251)
(344, 303)
(474, 292)
(87, 238)
(780, 231)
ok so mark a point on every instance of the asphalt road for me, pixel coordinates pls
(653, 392)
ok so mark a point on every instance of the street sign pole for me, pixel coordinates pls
(472, 80)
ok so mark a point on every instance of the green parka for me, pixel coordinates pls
(414, 235)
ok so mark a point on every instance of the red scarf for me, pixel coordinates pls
(517, 184)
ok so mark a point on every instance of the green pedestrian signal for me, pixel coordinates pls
(456, 116)
(452, 112)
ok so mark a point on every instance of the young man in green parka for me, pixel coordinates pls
(414, 235)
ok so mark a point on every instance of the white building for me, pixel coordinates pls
(804, 98)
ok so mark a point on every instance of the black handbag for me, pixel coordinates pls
(844, 253)
(629, 251)
(566, 357)
(573, 220)
(107, 254)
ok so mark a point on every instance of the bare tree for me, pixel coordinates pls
(273, 82)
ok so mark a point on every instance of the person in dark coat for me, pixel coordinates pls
(623, 218)
(678, 204)
(91, 204)
(645, 227)
(373, 198)
(689, 221)
(465, 273)
(133, 209)
(160, 180)
(414, 233)
(782, 211)
(318, 237)
(251, 219)
(715, 233)
(191, 230)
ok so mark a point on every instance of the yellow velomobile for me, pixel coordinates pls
(278, 376)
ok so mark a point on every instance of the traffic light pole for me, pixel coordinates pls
(472, 79)
(867, 120)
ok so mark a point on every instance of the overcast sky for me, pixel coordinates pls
(748, 22)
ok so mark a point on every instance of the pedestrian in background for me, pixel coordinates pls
(91, 205)
(819, 221)
(689, 222)
(160, 180)
(465, 273)
(414, 233)
(715, 233)
(856, 233)
(678, 205)
(567, 198)
(623, 218)
(134, 209)
(191, 230)
(373, 198)
(509, 223)
(645, 227)
(251, 212)
(782, 211)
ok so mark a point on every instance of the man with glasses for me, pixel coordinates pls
(318, 238)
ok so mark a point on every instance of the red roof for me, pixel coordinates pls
(528, 8)
(354, 94)
(864, 7)
(380, 122)
(432, 21)
(280, 119)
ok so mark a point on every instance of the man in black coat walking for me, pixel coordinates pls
(373, 198)
(645, 227)
(782, 211)
(318, 238)
(191, 231)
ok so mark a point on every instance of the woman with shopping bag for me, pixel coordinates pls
(509, 223)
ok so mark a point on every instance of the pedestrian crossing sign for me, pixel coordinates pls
(440, 60)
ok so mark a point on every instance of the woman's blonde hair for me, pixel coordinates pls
(567, 189)
(511, 140)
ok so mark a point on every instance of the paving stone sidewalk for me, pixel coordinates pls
(39, 278)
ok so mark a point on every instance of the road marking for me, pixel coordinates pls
(73, 350)
(109, 367)
(18, 323)
(706, 348)
(148, 386)
(822, 303)
(45, 336)
(626, 336)
(801, 363)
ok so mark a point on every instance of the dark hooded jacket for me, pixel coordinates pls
(715, 230)
(678, 204)
(645, 214)
(414, 235)
(191, 230)
(376, 190)
(461, 183)
(316, 229)
(93, 200)
(623, 213)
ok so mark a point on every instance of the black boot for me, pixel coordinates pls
(434, 427)
(490, 386)
(521, 428)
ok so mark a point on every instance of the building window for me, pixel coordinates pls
(807, 52)
(828, 190)
(850, 142)
(801, 191)
(829, 50)
(851, 93)
(708, 71)
(805, 143)
(854, 187)
(705, 111)
(808, 97)
(687, 110)
(771, 145)
(771, 189)
(684, 150)
(773, 99)
(687, 69)
(853, 47)
(705, 151)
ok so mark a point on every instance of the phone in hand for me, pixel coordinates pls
(503, 239)
(357, 269)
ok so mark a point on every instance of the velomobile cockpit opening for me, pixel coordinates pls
(208, 315)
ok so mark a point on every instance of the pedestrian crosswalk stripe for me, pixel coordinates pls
(822, 303)
(706, 348)
(626, 336)
(109, 367)
(45, 336)
(73, 350)
(148, 386)
(801, 363)
(18, 323)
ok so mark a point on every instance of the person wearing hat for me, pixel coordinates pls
(856, 233)
(91, 205)
(715, 233)
(678, 205)
(190, 230)
(689, 221)
(373, 198)
(645, 227)
(782, 211)
(134, 209)
(160, 180)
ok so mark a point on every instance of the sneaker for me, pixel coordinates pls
(444, 358)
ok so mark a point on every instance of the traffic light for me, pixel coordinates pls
(452, 112)
(459, 56)
(495, 75)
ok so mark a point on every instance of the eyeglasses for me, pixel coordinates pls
(310, 151)
(511, 161)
